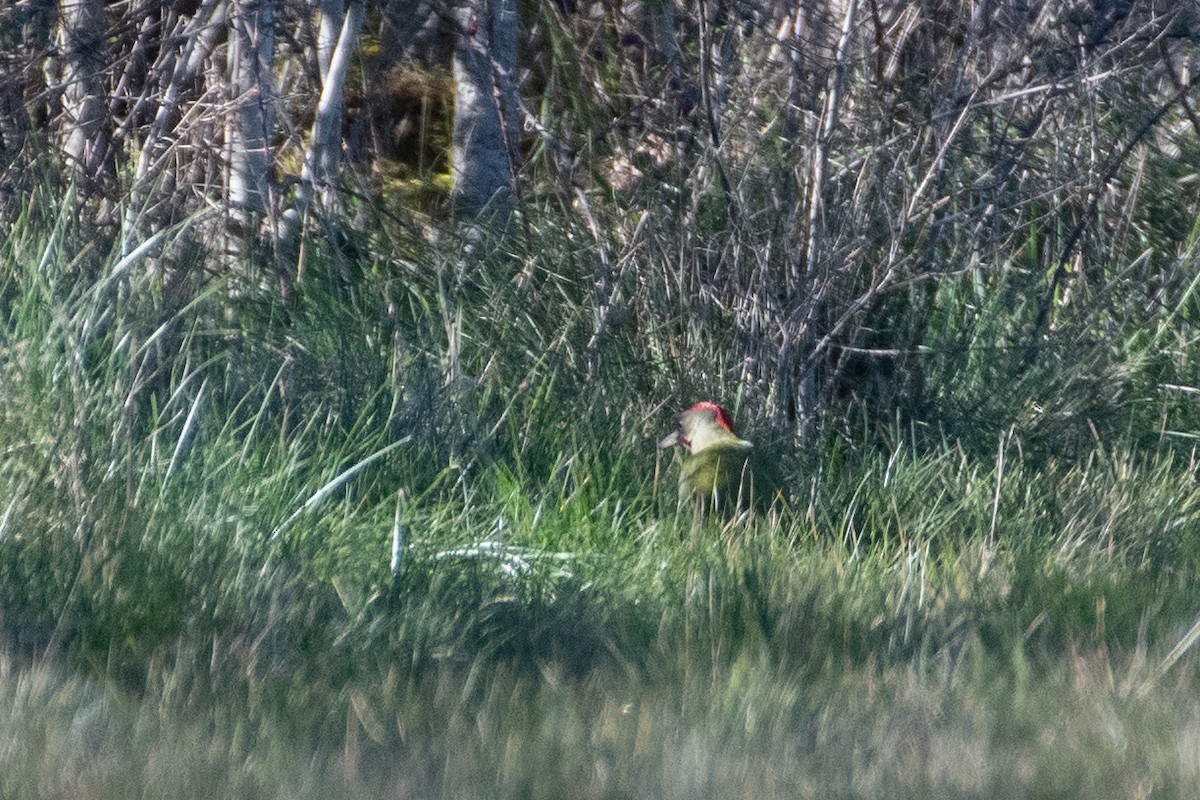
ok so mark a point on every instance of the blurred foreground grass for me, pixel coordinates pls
(899, 655)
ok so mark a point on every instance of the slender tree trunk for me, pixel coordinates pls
(85, 124)
(322, 159)
(486, 112)
(251, 55)
(329, 30)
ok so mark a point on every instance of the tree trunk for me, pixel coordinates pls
(323, 160)
(85, 125)
(251, 83)
(486, 111)
(323, 156)
(329, 30)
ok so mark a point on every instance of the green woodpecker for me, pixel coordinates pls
(721, 471)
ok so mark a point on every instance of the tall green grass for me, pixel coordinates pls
(197, 518)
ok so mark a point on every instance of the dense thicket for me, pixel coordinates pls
(907, 204)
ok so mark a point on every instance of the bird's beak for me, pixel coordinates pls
(670, 440)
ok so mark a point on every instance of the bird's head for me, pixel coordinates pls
(702, 426)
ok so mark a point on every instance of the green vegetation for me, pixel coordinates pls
(938, 258)
(976, 598)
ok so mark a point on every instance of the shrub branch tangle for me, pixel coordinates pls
(924, 191)
(898, 204)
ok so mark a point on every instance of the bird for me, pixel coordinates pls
(720, 471)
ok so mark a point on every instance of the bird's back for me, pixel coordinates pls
(719, 476)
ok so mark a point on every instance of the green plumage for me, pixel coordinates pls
(719, 476)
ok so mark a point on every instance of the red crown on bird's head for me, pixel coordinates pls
(720, 414)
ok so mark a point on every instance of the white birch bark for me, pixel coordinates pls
(486, 122)
(252, 85)
(85, 124)
(322, 159)
(329, 30)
